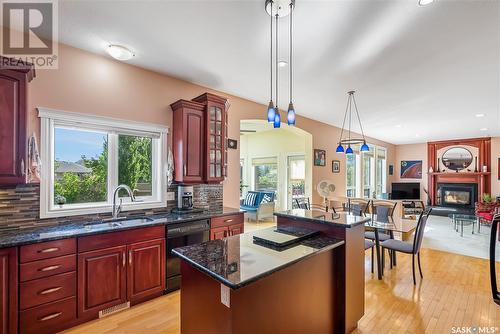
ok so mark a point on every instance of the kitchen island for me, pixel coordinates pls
(243, 285)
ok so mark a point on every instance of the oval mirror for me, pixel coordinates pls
(457, 158)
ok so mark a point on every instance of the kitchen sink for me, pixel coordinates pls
(120, 221)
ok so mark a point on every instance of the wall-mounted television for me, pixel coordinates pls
(403, 190)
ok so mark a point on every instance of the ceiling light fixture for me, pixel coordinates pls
(278, 9)
(479, 115)
(398, 125)
(483, 129)
(425, 2)
(351, 140)
(120, 52)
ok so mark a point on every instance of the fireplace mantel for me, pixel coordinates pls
(482, 179)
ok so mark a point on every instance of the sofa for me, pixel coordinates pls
(258, 205)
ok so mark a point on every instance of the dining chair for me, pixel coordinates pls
(305, 203)
(407, 247)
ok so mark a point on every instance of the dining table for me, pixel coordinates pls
(401, 226)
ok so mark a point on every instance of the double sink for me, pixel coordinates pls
(100, 225)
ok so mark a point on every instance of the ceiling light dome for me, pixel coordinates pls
(120, 52)
(425, 2)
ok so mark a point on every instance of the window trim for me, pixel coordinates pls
(50, 118)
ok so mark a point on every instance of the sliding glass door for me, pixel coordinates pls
(366, 173)
(296, 180)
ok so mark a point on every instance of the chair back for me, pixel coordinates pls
(357, 210)
(303, 203)
(419, 231)
(385, 209)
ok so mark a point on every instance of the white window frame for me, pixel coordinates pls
(51, 118)
(359, 184)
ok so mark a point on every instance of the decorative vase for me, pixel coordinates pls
(475, 165)
(438, 170)
(485, 169)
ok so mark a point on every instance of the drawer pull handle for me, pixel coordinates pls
(49, 250)
(50, 268)
(51, 290)
(228, 220)
(51, 316)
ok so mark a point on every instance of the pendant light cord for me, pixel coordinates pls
(343, 122)
(277, 110)
(271, 62)
(350, 112)
(359, 119)
(291, 81)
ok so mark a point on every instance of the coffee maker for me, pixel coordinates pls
(184, 198)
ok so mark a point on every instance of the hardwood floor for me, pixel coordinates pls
(455, 291)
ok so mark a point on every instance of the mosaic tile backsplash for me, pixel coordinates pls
(20, 206)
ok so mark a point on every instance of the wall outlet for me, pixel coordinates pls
(225, 293)
(170, 196)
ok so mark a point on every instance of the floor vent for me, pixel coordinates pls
(113, 309)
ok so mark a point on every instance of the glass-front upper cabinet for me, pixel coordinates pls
(216, 132)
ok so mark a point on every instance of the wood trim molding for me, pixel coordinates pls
(482, 179)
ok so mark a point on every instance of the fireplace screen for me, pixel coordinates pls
(457, 197)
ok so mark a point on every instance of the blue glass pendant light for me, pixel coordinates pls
(271, 112)
(291, 114)
(351, 140)
(277, 119)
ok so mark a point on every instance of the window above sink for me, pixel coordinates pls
(85, 157)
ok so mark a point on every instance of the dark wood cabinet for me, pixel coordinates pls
(215, 136)
(102, 279)
(120, 267)
(146, 270)
(188, 141)
(226, 226)
(200, 139)
(13, 115)
(8, 290)
(218, 233)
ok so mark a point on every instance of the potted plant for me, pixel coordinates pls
(487, 198)
(60, 200)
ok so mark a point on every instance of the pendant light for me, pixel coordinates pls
(278, 9)
(349, 140)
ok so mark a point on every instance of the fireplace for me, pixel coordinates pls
(457, 195)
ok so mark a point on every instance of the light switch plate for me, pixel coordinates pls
(225, 295)
(170, 196)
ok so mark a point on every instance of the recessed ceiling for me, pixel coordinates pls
(428, 69)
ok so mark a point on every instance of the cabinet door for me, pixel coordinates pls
(193, 122)
(12, 127)
(101, 280)
(146, 270)
(216, 142)
(235, 229)
(218, 233)
(8, 291)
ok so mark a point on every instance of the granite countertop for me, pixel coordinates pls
(341, 219)
(20, 236)
(238, 261)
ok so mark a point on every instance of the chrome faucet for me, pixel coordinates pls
(117, 210)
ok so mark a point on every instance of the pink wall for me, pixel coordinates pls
(495, 155)
(92, 84)
(412, 152)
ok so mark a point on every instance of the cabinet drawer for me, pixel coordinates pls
(107, 240)
(46, 290)
(46, 250)
(48, 267)
(227, 220)
(49, 318)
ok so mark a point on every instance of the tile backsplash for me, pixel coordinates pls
(20, 205)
